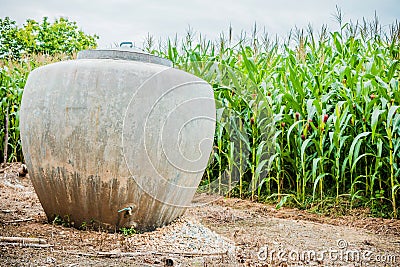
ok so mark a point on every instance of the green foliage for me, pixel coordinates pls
(64, 221)
(12, 80)
(13, 75)
(60, 37)
(128, 231)
(334, 99)
(9, 42)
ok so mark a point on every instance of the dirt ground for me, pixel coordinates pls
(226, 232)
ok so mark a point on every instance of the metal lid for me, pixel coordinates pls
(124, 54)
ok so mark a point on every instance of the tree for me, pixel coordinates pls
(61, 36)
(10, 46)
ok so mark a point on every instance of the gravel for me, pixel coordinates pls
(183, 237)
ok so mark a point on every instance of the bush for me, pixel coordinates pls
(61, 36)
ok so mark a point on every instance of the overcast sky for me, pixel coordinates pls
(130, 20)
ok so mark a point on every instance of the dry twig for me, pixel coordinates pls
(15, 239)
(30, 245)
(118, 254)
(19, 220)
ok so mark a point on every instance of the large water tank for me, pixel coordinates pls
(117, 138)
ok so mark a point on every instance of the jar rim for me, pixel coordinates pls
(123, 54)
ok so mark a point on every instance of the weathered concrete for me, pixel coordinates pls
(101, 135)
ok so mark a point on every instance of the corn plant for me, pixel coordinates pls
(333, 100)
(13, 75)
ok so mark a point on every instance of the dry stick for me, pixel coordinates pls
(135, 254)
(8, 211)
(121, 254)
(6, 138)
(20, 220)
(191, 254)
(30, 245)
(75, 253)
(105, 254)
(15, 239)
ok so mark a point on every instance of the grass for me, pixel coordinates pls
(128, 231)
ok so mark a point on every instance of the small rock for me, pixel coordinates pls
(50, 260)
(168, 262)
(22, 171)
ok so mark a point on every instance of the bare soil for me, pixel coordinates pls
(226, 232)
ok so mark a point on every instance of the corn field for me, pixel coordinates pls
(333, 99)
(13, 75)
(309, 121)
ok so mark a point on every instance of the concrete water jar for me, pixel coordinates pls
(116, 137)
